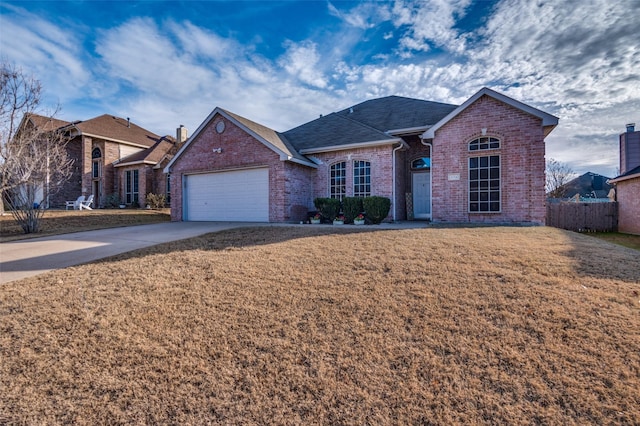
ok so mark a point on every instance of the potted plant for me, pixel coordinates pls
(316, 219)
(358, 220)
(339, 220)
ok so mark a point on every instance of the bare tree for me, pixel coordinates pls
(33, 157)
(557, 175)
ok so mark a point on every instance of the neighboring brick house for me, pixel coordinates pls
(111, 155)
(482, 161)
(628, 183)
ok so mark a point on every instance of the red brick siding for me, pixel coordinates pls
(381, 171)
(628, 195)
(145, 182)
(522, 163)
(239, 150)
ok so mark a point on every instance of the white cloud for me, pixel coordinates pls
(430, 24)
(580, 63)
(44, 49)
(301, 60)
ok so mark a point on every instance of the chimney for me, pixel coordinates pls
(181, 134)
(629, 149)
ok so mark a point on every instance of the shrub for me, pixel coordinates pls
(351, 207)
(328, 207)
(156, 201)
(377, 208)
(112, 201)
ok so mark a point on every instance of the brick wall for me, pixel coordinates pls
(73, 188)
(628, 195)
(381, 172)
(239, 150)
(522, 163)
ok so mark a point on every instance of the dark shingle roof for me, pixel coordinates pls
(587, 185)
(367, 122)
(332, 130)
(397, 112)
(47, 123)
(118, 129)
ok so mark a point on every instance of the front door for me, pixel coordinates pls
(421, 195)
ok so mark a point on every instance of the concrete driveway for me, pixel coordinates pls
(26, 258)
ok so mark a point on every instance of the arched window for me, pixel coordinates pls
(422, 163)
(484, 176)
(484, 143)
(96, 167)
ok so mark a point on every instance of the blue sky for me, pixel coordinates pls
(166, 63)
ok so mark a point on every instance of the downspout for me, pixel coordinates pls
(430, 145)
(393, 172)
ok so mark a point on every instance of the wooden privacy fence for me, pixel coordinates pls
(583, 217)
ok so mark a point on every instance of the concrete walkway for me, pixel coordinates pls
(26, 258)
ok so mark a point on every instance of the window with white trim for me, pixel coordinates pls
(361, 179)
(338, 180)
(484, 184)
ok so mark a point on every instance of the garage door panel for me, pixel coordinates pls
(239, 195)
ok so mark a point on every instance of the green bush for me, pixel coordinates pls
(156, 201)
(112, 201)
(329, 208)
(377, 208)
(351, 207)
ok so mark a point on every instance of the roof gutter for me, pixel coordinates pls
(351, 146)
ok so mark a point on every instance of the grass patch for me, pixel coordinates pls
(626, 240)
(308, 325)
(56, 222)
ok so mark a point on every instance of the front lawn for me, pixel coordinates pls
(56, 222)
(327, 325)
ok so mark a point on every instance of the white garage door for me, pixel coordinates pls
(236, 196)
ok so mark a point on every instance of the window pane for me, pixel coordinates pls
(484, 184)
(337, 187)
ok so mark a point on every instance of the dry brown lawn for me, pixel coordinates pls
(55, 222)
(318, 325)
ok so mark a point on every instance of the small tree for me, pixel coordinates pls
(557, 175)
(33, 157)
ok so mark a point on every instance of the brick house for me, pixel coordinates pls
(111, 155)
(482, 161)
(628, 182)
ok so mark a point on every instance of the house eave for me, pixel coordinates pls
(407, 131)
(623, 178)
(351, 146)
(133, 163)
(298, 161)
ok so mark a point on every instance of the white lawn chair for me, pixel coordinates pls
(87, 203)
(75, 204)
